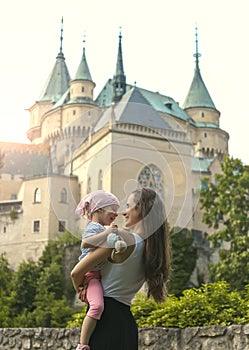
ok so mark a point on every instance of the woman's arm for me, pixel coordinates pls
(98, 240)
(87, 263)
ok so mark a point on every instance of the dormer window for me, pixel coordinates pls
(168, 105)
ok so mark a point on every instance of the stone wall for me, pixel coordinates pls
(196, 338)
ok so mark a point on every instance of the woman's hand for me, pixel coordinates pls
(86, 264)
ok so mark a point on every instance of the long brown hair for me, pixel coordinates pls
(157, 246)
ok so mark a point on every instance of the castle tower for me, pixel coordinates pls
(55, 86)
(119, 79)
(210, 140)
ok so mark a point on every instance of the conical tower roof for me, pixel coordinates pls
(198, 95)
(83, 72)
(59, 78)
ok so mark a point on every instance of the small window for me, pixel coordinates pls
(36, 226)
(205, 134)
(100, 180)
(62, 226)
(63, 196)
(37, 196)
(13, 196)
(82, 89)
(74, 112)
(204, 185)
(202, 114)
(4, 229)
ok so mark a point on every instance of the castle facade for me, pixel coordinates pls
(124, 138)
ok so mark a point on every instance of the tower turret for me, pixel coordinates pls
(56, 85)
(198, 103)
(59, 78)
(210, 141)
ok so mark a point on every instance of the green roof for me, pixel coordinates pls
(201, 164)
(198, 95)
(57, 82)
(159, 102)
(83, 72)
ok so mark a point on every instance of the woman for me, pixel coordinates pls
(147, 259)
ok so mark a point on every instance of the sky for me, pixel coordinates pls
(158, 42)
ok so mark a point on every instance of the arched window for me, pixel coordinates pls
(37, 195)
(100, 180)
(89, 185)
(63, 196)
(150, 176)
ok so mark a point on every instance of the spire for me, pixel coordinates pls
(83, 72)
(196, 54)
(59, 78)
(60, 54)
(119, 79)
(198, 95)
(119, 65)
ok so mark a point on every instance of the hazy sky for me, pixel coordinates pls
(158, 47)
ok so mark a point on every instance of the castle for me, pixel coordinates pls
(124, 138)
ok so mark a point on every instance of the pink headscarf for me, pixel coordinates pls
(96, 200)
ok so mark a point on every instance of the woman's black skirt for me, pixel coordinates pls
(116, 330)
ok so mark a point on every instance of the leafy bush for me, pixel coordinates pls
(77, 319)
(210, 304)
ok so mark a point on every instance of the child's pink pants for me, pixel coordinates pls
(94, 294)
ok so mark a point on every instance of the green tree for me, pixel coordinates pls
(6, 286)
(53, 254)
(51, 311)
(24, 287)
(184, 256)
(226, 209)
(36, 294)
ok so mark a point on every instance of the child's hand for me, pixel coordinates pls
(82, 293)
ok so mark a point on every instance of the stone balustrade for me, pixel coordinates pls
(197, 338)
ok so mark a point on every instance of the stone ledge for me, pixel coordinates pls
(152, 338)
